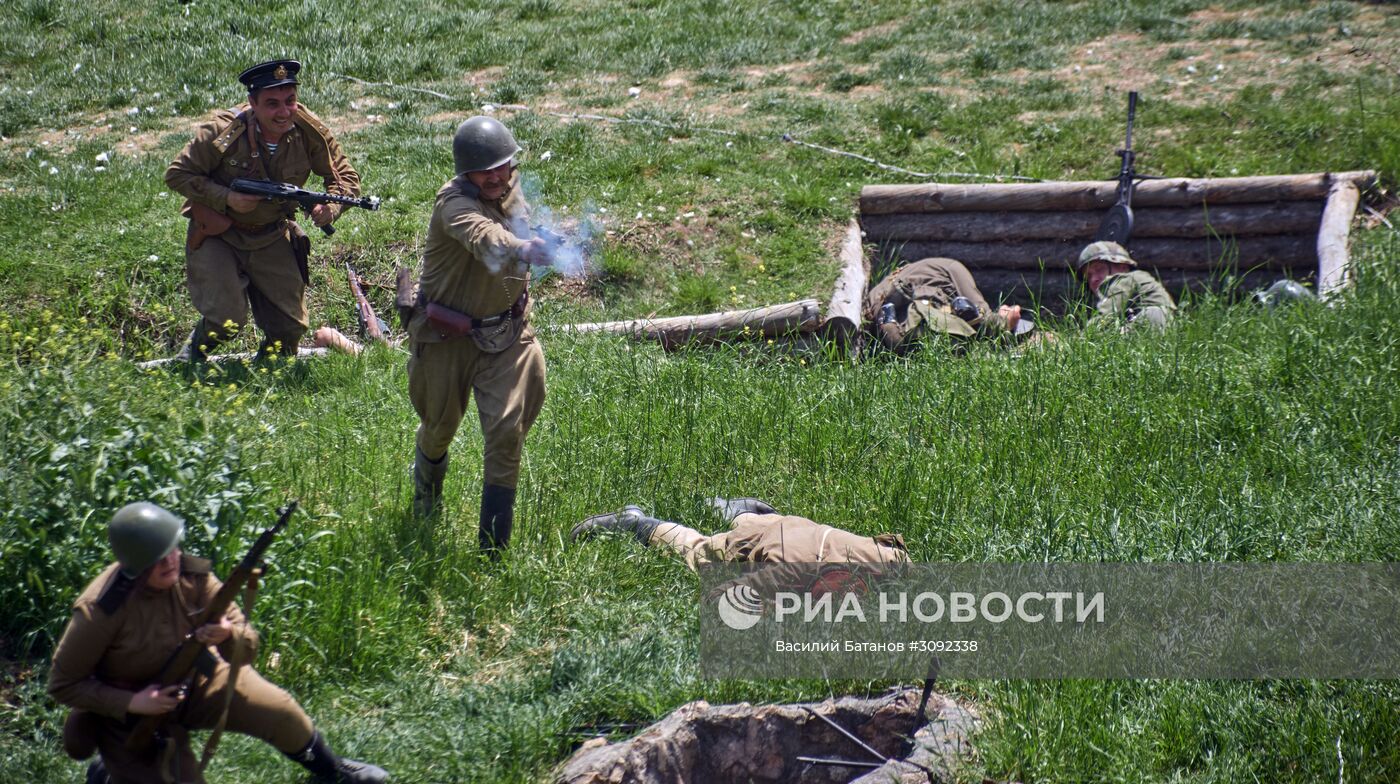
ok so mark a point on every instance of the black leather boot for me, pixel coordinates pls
(323, 763)
(632, 519)
(97, 773)
(730, 508)
(200, 343)
(497, 518)
(428, 476)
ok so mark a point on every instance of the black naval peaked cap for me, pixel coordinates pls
(273, 73)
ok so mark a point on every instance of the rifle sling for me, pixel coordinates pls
(239, 657)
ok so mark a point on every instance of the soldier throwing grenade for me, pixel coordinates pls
(469, 328)
(125, 623)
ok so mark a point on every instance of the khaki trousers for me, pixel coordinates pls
(259, 709)
(775, 539)
(228, 273)
(509, 388)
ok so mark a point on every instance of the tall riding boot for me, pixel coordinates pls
(97, 773)
(284, 348)
(200, 343)
(497, 518)
(427, 483)
(323, 763)
(632, 519)
(730, 508)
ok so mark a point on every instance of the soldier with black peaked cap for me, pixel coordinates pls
(125, 624)
(243, 250)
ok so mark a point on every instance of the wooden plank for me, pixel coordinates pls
(1284, 251)
(843, 314)
(789, 317)
(1333, 259)
(1100, 195)
(1297, 217)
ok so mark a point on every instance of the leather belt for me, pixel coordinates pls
(258, 228)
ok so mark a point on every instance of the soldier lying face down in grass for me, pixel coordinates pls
(937, 297)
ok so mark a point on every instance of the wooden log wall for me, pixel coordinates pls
(1190, 232)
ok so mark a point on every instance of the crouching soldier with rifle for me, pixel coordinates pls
(244, 249)
(124, 664)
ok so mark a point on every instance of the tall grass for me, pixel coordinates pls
(1239, 434)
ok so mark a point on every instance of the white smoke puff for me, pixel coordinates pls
(570, 257)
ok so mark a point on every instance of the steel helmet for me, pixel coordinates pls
(1284, 292)
(1104, 251)
(141, 534)
(482, 143)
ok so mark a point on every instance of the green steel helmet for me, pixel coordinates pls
(482, 143)
(141, 534)
(1284, 292)
(1104, 251)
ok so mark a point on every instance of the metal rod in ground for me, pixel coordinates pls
(840, 762)
(882, 758)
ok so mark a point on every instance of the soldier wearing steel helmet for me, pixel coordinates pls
(243, 250)
(469, 330)
(1127, 296)
(126, 623)
(1284, 292)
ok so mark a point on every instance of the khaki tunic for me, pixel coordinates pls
(471, 264)
(933, 284)
(1134, 297)
(254, 266)
(103, 659)
(773, 538)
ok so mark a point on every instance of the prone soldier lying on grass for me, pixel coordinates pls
(937, 296)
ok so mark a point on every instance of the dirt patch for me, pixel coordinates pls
(870, 32)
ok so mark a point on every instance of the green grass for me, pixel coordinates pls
(1235, 436)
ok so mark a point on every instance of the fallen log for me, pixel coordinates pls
(303, 352)
(1283, 252)
(1300, 217)
(1333, 265)
(1100, 195)
(843, 314)
(774, 320)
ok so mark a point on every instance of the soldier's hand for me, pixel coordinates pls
(153, 700)
(214, 633)
(322, 214)
(243, 202)
(536, 253)
(1012, 314)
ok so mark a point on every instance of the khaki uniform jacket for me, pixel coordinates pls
(104, 658)
(220, 152)
(936, 281)
(471, 262)
(1125, 295)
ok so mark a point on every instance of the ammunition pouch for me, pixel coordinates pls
(301, 248)
(80, 732)
(205, 222)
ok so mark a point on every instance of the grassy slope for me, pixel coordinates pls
(1235, 437)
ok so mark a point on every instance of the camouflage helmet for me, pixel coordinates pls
(1284, 292)
(141, 534)
(1104, 251)
(482, 143)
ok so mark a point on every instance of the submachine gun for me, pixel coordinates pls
(1117, 225)
(307, 199)
(181, 665)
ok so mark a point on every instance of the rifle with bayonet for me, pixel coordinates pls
(192, 654)
(371, 327)
(1117, 226)
(306, 199)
